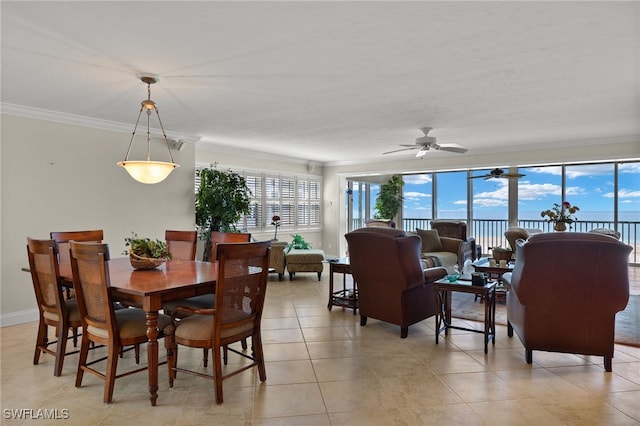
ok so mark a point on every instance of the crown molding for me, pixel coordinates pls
(80, 120)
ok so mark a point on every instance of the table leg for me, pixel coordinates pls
(330, 288)
(152, 355)
(487, 320)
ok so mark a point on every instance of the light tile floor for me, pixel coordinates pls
(323, 368)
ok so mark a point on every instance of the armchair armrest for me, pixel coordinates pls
(434, 274)
(464, 249)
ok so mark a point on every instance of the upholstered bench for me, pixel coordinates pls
(304, 260)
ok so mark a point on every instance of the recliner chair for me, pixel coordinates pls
(392, 286)
(565, 291)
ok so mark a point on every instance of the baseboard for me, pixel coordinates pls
(20, 317)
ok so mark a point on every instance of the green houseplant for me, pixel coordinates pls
(145, 253)
(389, 199)
(222, 198)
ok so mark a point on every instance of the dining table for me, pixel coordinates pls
(149, 289)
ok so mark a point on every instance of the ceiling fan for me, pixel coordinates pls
(498, 173)
(426, 143)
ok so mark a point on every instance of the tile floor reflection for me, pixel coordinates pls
(323, 368)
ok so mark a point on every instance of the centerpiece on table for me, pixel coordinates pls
(561, 215)
(145, 253)
(501, 253)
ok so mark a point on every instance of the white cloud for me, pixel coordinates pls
(623, 193)
(415, 194)
(417, 179)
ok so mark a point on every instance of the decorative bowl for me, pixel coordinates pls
(139, 262)
(453, 277)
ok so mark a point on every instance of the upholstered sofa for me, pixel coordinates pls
(392, 285)
(565, 291)
(457, 229)
(447, 252)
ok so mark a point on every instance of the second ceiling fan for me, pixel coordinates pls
(426, 143)
(498, 174)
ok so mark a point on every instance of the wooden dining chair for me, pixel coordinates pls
(206, 301)
(62, 239)
(240, 291)
(101, 322)
(181, 244)
(54, 310)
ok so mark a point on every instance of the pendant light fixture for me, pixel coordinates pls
(148, 171)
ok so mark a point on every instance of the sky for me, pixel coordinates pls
(590, 187)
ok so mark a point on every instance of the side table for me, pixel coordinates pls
(444, 288)
(494, 272)
(347, 297)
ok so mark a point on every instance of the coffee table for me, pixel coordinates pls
(444, 288)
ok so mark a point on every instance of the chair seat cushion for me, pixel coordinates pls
(132, 322)
(204, 301)
(200, 327)
(72, 309)
(447, 259)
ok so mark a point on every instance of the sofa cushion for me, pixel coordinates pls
(447, 259)
(430, 240)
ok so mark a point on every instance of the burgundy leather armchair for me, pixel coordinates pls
(566, 288)
(392, 286)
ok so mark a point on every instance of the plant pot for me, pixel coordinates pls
(499, 255)
(560, 226)
(139, 262)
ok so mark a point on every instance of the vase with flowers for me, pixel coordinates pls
(275, 221)
(561, 215)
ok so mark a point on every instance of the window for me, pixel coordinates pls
(296, 199)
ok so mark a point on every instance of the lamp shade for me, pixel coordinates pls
(148, 171)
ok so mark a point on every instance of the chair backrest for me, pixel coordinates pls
(240, 288)
(226, 237)
(43, 263)
(91, 284)
(450, 228)
(514, 234)
(583, 270)
(181, 244)
(380, 257)
(62, 240)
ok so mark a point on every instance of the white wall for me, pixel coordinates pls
(64, 177)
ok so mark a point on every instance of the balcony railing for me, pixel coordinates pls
(490, 232)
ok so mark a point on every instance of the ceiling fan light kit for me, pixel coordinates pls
(147, 171)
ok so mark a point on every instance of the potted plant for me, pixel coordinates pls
(389, 199)
(501, 253)
(222, 198)
(145, 253)
(561, 215)
(298, 242)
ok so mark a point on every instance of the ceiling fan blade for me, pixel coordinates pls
(398, 150)
(452, 147)
(512, 175)
(480, 176)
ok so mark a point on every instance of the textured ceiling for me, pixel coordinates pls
(335, 81)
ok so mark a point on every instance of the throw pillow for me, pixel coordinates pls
(430, 240)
